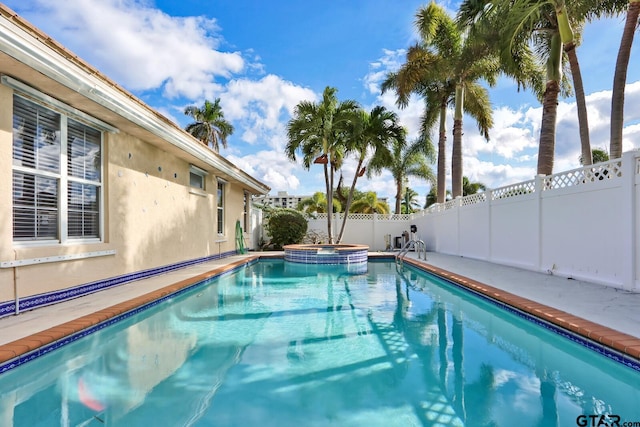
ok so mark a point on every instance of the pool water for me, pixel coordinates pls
(284, 344)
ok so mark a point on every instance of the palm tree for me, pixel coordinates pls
(437, 93)
(369, 203)
(547, 25)
(405, 162)
(370, 134)
(210, 126)
(319, 132)
(620, 78)
(598, 155)
(447, 66)
(469, 188)
(432, 197)
(317, 204)
(409, 201)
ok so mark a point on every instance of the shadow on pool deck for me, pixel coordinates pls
(600, 313)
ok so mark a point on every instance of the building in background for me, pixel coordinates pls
(284, 200)
(281, 200)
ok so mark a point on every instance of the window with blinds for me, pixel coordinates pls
(83, 186)
(56, 175)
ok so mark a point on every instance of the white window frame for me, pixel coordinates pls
(202, 174)
(63, 179)
(221, 206)
(246, 212)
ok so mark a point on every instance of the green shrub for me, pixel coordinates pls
(285, 226)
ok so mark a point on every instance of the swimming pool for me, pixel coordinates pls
(285, 344)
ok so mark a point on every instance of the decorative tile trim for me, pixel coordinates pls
(554, 324)
(15, 354)
(125, 310)
(356, 256)
(41, 300)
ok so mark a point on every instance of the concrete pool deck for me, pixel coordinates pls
(602, 314)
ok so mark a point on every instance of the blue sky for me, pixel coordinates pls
(262, 58)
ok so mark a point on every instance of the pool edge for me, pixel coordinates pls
(614, 340)
(22, 350)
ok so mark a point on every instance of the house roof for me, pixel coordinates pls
(29, 55)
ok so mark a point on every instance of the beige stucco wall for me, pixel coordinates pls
(152, 217)
(6, 230)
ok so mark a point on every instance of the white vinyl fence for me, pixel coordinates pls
(374, 230)
(581, 224)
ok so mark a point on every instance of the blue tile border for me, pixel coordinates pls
(41, 300)
(356, 256)
(41, 351)
(601, 349)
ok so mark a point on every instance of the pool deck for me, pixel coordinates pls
(603, 314)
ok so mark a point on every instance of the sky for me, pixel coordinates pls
(261, 58)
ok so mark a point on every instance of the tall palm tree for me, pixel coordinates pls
(406, 161)
(570, 43)
(468, 63)
(620, 78)
(409, 201)
(210, 126)
(369, 203)
(437, 94)
(317, 204)
(431, 197)
(371, 134)
(448, 65)
(547, 26)
(319, 132)
(469, 188)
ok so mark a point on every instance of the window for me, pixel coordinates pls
(246, 211)
(197, 177)
(57, 175)
(220, 197)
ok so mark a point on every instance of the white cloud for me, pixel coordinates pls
(145, 49)
(510, 155)
(142, 47)
(389, 62)
(599, 113)
(509, 137)
(272, 168)
(262, 108)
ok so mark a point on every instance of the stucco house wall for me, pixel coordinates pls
(151, 215)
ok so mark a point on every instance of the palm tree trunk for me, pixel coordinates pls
(398, 195)
(583, 122)
(442, 155)
(620, 79)
(328, 182)
(568, 41)
(349, 200)
(547, 145)
(456, 155)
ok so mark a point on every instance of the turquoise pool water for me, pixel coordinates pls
(282, 344)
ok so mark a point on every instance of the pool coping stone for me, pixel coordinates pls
(24, 349)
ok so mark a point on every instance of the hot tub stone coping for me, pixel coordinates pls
(314, 247)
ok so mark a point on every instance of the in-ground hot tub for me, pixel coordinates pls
(326, 254)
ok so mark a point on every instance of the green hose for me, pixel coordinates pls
(239, 239)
